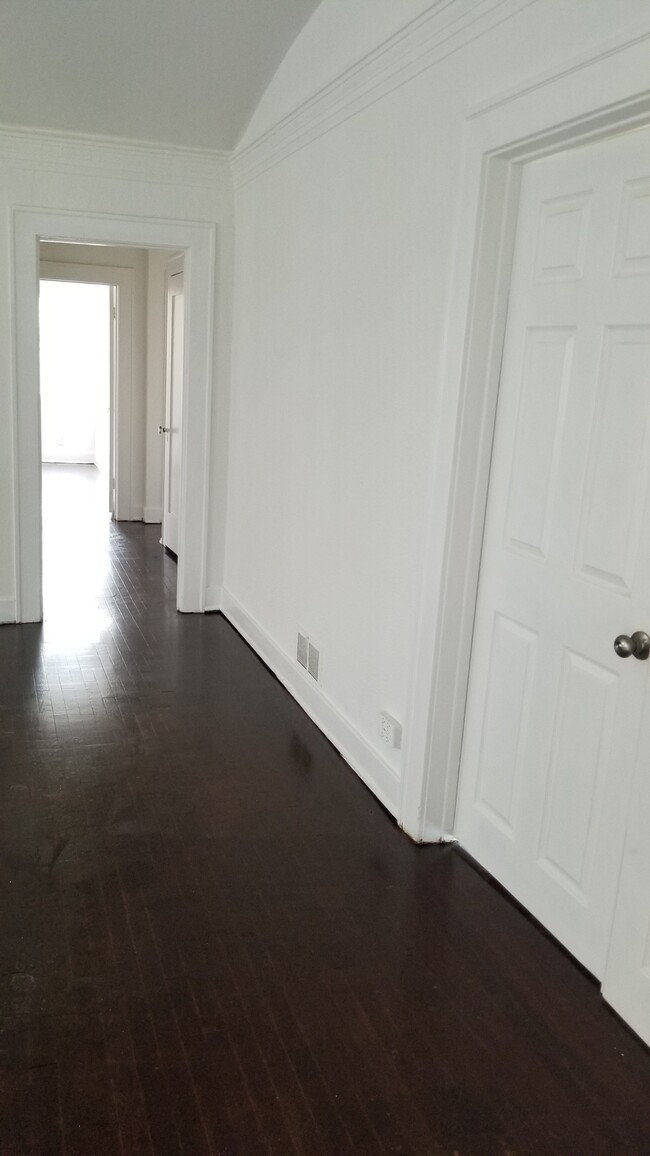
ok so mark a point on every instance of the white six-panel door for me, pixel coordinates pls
(554, 720)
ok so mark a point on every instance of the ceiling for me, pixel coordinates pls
(180, 72)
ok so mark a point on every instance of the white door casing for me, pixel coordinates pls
(554, 717)
(172, 432)
(198, 241)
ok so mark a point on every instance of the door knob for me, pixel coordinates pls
(638, 645)
(163, 429)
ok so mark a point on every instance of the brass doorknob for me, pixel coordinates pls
(637, 644)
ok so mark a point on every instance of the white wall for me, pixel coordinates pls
(347, 216)
(96, 180)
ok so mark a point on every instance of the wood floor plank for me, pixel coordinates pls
(214, 942)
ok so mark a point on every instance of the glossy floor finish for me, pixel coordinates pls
(213, 939)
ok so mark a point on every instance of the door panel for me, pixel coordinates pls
(617, 480)
(581, 752)
(546, 373)
(553, 715)
(509, 687)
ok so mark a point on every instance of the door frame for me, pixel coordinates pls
(175, 265)
(586, 101)
(122, 280)
(198, 242)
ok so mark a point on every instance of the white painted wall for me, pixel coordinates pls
(347, 226)
(106, 180)
(352, 192)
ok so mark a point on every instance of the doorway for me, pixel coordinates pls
(198, 243)
(75, 323)
(76, 342)
(172, 429)
(553, 791)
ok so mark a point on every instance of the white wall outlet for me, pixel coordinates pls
(302, 650)
(313, 661)
(390, 731)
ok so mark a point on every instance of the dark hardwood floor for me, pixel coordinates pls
(214, 940)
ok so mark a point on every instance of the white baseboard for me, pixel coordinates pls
(433, 834)
(136, 514)
(213, 598)
(152, 514)
(7, 610)
(375, 772)
(64, 459)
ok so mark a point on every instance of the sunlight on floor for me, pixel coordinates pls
(76, 528)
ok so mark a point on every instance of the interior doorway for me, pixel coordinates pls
(102, 343)
(172, 430)
(31, 227)
(553, 796)
(76, 369)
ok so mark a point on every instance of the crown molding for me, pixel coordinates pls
(444, 29)
(112, 156)
(574, 65)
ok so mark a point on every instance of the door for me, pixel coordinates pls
(552, 751)
(172, 431)
(112, 447)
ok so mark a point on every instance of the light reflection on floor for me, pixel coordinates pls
(76, 527)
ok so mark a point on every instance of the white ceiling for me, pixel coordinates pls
(184, 72)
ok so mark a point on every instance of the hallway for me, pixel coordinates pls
(213, 940)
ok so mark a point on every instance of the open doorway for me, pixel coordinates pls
(75, 375)
(33, 229)
(76, 382)
(102, 352)
(172, 430)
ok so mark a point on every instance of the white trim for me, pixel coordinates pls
(442, 30)
(122, 278)
(552, 75)
(377, 774)
(198, 241)
(7, 611)
(590, 102)
(152, 515)
(68, 459)
(116, 156)
(213, 599)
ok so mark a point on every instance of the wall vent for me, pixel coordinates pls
(302, 650)
(312, 661)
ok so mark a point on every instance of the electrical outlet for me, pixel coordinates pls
(302, 650)
(313, 661)
(390, 731)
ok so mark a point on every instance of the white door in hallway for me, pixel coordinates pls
(172, 430)
(553, 758)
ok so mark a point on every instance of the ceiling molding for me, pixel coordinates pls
(444, 29)
(111, 156)
(575, 64)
